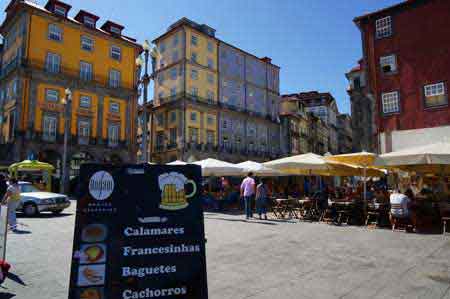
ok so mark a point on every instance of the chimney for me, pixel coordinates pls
(266, 59)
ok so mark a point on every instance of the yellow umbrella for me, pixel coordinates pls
(363, 159)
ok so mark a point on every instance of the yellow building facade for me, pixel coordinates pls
(97, 65)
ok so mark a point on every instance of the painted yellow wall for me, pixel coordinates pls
(201, 82)
(53, 107)
(71, 53)
(211, 127)
(168, 83)
(201, 48)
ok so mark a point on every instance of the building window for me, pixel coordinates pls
(54, 32)
(173, 136)
(60, 10)
(159, 140)
(173, 73)
(435, 95)
(161, 78)
(161, 95)
(193, 116)
(390, 101)
(210, 96)
(87, 43)
(175, 40)
(90, 22)
(162, 47)
(388, 64)
(224, 124)
(193, 135)
(162, 63)
(210, 78)
(210, 63)
(160, 119)
(113, 134)
(85, 101)
(173, 92)
(194, 92)
(194, 57)
(357, 82)
(194, 74)
(173, 116)
(194, 40)
(175, 56)
(383, 27)
(51, 95)
(85, 71)
(116, 52)
(114, 78)
(49, 128)
(115, 30)
(210, 47)
(210, 137)
(83, 131)
(114, 107)
(52, 63)
(210, 120)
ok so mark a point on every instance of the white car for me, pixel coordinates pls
(33, 201)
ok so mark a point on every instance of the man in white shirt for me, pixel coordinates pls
(247, 192)
(399, 204)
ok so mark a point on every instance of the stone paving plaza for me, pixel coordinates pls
(256, 259)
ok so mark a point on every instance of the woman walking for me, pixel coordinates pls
(12, 199)
(261, 199)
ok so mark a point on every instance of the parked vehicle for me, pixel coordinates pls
(34, 201)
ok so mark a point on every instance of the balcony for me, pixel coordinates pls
(9, 67)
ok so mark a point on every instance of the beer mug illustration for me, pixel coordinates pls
(173, 195)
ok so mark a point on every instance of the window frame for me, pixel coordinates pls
(194, 94)
(111, 81)
(46, 134)
(87, 21)
(194, 40)
(383, 30)
(84, 38)
(173, 92)
(194, 74)
(210, 47)
(53, 69)
(47, 97)
(444, 94)
(112, 48)
(210, 78)
(173, 119)
(50, 33)
(82, 99)
(173, 140)
(114, 104)
(383, 94)
(83, 139)
(210, 63)
(173, 73)
(194, 57)
(115, 30)
(88, 76)
(393, 70)
(112, 142)
(193, 116)
(59, 10)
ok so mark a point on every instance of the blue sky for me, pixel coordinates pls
(313, 41)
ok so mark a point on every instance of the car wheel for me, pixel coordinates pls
(30, 209)
(57, 212)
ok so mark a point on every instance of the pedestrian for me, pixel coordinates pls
(261, 199)
(12, 199)
(3, 185)
(247, 192)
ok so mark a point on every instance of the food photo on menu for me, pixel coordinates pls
(92, 253)
(94, 232)
(91, 293)
(91, 275)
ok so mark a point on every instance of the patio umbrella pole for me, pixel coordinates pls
(364, 183)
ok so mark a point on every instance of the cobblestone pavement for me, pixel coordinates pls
(259, 259)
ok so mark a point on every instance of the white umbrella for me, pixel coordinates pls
(177, 162)
(258, 169)
(213, 167)
(431, 158)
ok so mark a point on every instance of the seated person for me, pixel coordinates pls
(400, 206)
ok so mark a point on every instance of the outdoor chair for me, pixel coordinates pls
(400, 223)
(373, 215)
(276, 209)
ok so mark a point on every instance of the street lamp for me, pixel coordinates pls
(145, 81)
(66, 101)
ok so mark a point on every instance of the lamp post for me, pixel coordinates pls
(67, 102)
(145, 81)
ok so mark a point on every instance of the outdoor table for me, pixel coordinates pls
(344, 210)
(287, 206)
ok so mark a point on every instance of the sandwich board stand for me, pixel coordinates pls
(139, 233)
(3, 230)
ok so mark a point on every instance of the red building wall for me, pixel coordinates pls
(421, 42)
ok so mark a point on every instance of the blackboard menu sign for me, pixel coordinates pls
(139, 233)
